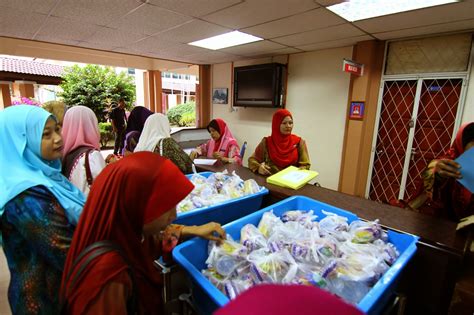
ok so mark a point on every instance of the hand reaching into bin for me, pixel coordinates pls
(210, 231)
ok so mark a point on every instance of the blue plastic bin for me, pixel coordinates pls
(224, 212)
(191, 255)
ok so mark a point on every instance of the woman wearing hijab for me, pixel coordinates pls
(155, 137)
(281, 149)
(441, 194)
(82, 160)
(135, 124)
(132, 222)
(39, 208)
(221, 146)
(271, 299)
(57, 108)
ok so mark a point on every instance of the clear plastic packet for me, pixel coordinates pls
(305, 218)
(218, 256)
(252, 238)
(232, 288)
(278, 267)
(366, 232)
(334, 225)
(268, 222)
(251, 187)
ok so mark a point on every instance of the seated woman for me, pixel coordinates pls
(82, 160)
(39, 208)
(281, 149)
(135, 124)
(124, 234)
(441, 194)
(222, 145)
(156, 138)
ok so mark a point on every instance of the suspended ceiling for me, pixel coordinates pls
(161, 28)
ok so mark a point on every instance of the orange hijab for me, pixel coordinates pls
(126, 195)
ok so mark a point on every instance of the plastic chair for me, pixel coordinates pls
(242, 150)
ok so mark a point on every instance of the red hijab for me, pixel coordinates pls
(125, 196)
(283, 149)
(269, 299)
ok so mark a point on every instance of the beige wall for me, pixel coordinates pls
(317, 97)
(468, 112)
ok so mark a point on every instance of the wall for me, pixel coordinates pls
(317, 97)
(468, 112)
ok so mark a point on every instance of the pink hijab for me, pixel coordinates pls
(80, 128)
(224, 142)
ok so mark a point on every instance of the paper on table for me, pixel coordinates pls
(466, 160)
(204, 161)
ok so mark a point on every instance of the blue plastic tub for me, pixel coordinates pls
(224, 212)
(191, 255)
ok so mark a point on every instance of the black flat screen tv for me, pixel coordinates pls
(260, 85)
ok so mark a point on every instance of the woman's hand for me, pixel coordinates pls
(448, 168)
(264, 169)
(210, 231)
(193, 155)
(218, 155)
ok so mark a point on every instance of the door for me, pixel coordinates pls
(438, 106)
(416, 125)
(392, 138)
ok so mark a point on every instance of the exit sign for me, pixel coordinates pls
(353, 67)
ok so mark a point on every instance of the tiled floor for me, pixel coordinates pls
(4, 280)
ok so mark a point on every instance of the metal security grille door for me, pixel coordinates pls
(417, 121)
(435, 122)
(392, 139)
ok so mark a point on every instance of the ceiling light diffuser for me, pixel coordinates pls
(226, 40)
(355, 10)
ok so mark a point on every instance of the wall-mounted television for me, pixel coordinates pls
(260, 85)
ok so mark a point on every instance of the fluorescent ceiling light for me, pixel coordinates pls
(226, 40)
(354, 10)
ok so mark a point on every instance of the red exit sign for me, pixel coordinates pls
(353, 67)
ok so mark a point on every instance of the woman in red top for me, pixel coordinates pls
(440, 193)
(281, 149)
(131, 204)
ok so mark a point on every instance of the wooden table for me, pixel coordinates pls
(429, 279)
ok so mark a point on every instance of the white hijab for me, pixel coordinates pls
(157, 127)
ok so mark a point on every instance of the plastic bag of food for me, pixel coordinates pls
(268, 222)
(252, 238)
(278, 267)
(366, 232)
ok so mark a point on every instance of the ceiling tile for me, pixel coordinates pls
(427, 30)
(192, 31)
(153, 44)
(321, 35)
(335, 43)
(10, 25)
(43, 6)
(194, 8)
(284, 51)
(257, 47)
(100, 46)
(310, 20)
(429, 16)
(182, 50)
(212, 57)
(328, 2)
(56, 40)
(97, 12)
(150, 19)
(254, 12)
(62, 28)
(112, 37)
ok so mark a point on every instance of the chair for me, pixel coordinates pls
(242, 150)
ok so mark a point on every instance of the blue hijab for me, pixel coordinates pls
(21, 164)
